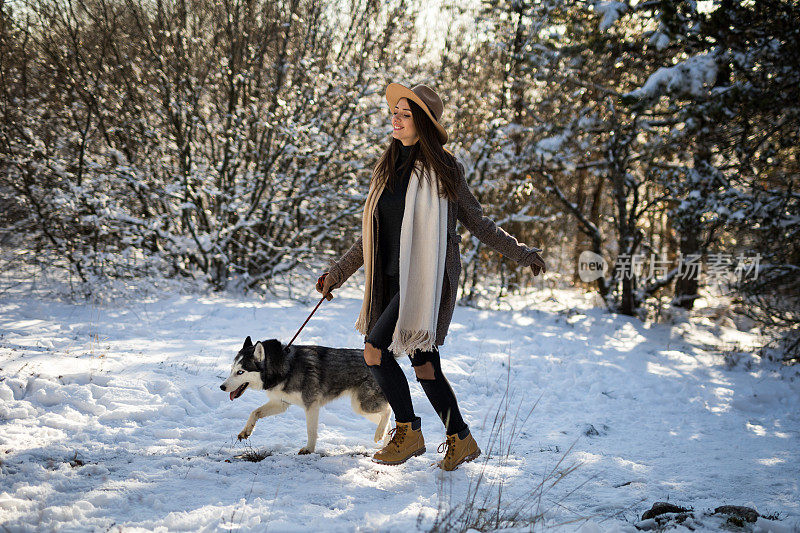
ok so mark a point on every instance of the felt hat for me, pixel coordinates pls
(423, 96)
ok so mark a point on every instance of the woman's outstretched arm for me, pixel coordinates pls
(470, 213)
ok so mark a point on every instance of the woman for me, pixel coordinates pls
(410, 251)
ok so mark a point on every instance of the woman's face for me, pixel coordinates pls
(403, 123)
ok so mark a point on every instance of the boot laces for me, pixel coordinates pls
(397, 433)
(448, 447)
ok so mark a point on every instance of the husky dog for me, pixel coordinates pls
(308, 376)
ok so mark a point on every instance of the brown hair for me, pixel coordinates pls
(428, 150)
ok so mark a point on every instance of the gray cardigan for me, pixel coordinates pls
(468, 210)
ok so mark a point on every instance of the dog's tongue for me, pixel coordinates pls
(238, 392)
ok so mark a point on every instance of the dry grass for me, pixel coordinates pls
(487, 506)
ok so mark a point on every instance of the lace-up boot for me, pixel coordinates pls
(404, 444)
(457, 451)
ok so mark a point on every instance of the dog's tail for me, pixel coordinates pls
(383, 424)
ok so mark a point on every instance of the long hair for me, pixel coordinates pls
(429, 151)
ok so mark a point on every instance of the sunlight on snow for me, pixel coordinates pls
(661, 370)
(755, 428)
(771, 461)
(633, 466)
(626, 338)
(724, 395)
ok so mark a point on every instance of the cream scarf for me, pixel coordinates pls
(423, 244)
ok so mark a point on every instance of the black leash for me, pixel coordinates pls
(304, 323)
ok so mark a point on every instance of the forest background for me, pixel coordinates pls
(230, 143)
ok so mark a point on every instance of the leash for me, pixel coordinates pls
(304, 323)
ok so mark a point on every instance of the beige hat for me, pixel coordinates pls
(423, 96)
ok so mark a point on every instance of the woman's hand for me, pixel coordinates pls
(538, 264)
(324, 284)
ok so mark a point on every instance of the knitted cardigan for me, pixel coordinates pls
(469, 212)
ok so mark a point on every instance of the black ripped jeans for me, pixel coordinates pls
(392, 380)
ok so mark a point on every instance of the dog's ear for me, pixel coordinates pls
(273, 347)
(258, 354)
(247, 343)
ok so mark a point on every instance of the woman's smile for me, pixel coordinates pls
(403, 123)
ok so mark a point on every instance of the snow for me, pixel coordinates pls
(112, 416)
(611, 12)
(691, 77)
(660, 40)
(549, 146)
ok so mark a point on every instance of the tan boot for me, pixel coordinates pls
(458, 451)
(405, 443)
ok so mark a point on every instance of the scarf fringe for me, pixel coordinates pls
(361, 323)
(408, 341)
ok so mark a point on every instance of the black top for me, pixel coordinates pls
(391, 205)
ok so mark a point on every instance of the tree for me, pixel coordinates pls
(221, 140)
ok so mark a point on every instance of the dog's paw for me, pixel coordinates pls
(245, 433)
(305, 450)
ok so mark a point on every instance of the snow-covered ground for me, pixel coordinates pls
(111, 417)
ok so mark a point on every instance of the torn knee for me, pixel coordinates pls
(425, 372)
(372, 355)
